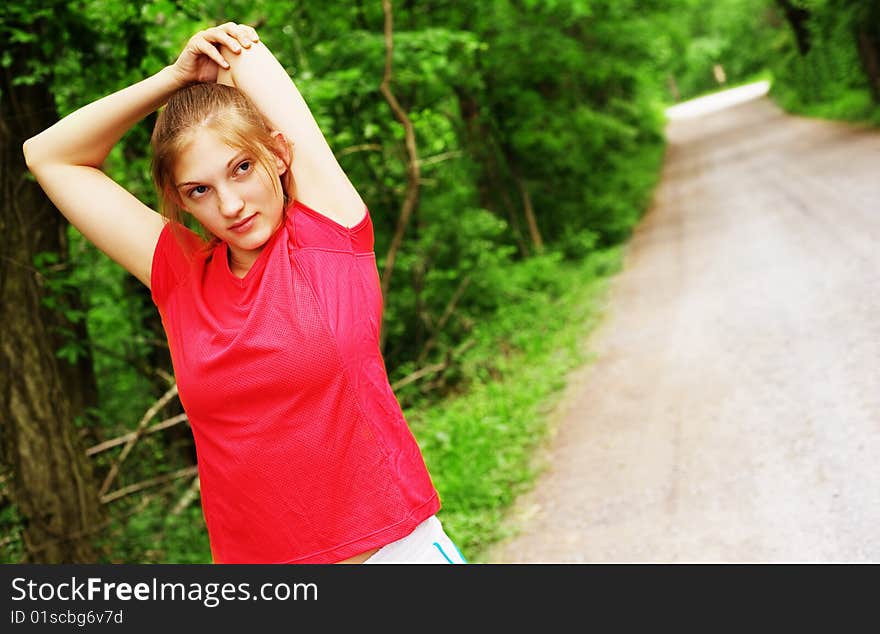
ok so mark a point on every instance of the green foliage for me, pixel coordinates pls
(558, 103)
(11, 546)
(733, 35)
(149, 533)
(830, 80)
(60, 290)
(120, 344)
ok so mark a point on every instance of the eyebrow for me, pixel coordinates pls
(231, 161)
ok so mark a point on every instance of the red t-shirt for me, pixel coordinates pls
(304, 454)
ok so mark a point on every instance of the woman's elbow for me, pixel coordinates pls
(26, 151)
(38, 152)
(30, 149)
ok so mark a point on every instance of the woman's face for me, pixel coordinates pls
(230, 193)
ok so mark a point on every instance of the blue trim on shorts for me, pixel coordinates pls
(437, 544)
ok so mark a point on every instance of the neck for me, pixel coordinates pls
(240, 266)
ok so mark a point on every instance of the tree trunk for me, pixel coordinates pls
(870, 61)
(52, 485)
(490, 184)
(534, 233)
(797, 17)
(529, 211)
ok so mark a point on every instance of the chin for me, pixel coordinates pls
(256, 240)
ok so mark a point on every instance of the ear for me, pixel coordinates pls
(281, 150)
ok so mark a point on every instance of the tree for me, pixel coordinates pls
(866, 32)
(52, 483)
(798, 18)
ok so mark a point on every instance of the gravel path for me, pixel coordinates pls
(733, 410)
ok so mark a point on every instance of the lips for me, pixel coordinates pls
(244, 224)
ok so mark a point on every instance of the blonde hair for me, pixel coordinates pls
(237, 122)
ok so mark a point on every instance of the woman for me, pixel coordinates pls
(273, 324)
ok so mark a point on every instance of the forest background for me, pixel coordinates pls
(506, 150)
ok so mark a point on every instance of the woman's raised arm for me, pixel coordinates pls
(320, 181)
(66, 161)
(66, 158)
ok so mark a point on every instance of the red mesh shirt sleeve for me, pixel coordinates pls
(311, 228)
(172, 260)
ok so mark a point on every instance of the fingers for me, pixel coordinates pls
(203, 45)
(230, 35)
(245, 34)
(234, 36)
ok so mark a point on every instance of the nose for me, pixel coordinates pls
(230, 202)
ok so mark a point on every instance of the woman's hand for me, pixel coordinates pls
(200, 60)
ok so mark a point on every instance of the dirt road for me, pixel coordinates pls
(733, 410)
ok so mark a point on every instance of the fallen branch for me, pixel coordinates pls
(188, 497)
(435, 367)
(140, 486)
(139, 431)
(415, 376)
(113, 442)
(447, 312)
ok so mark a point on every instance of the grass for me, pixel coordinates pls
(480, 446)
(851, 105)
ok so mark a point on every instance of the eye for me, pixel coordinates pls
(243, 167)
(198, 190)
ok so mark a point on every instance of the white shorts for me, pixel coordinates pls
(427, 544)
